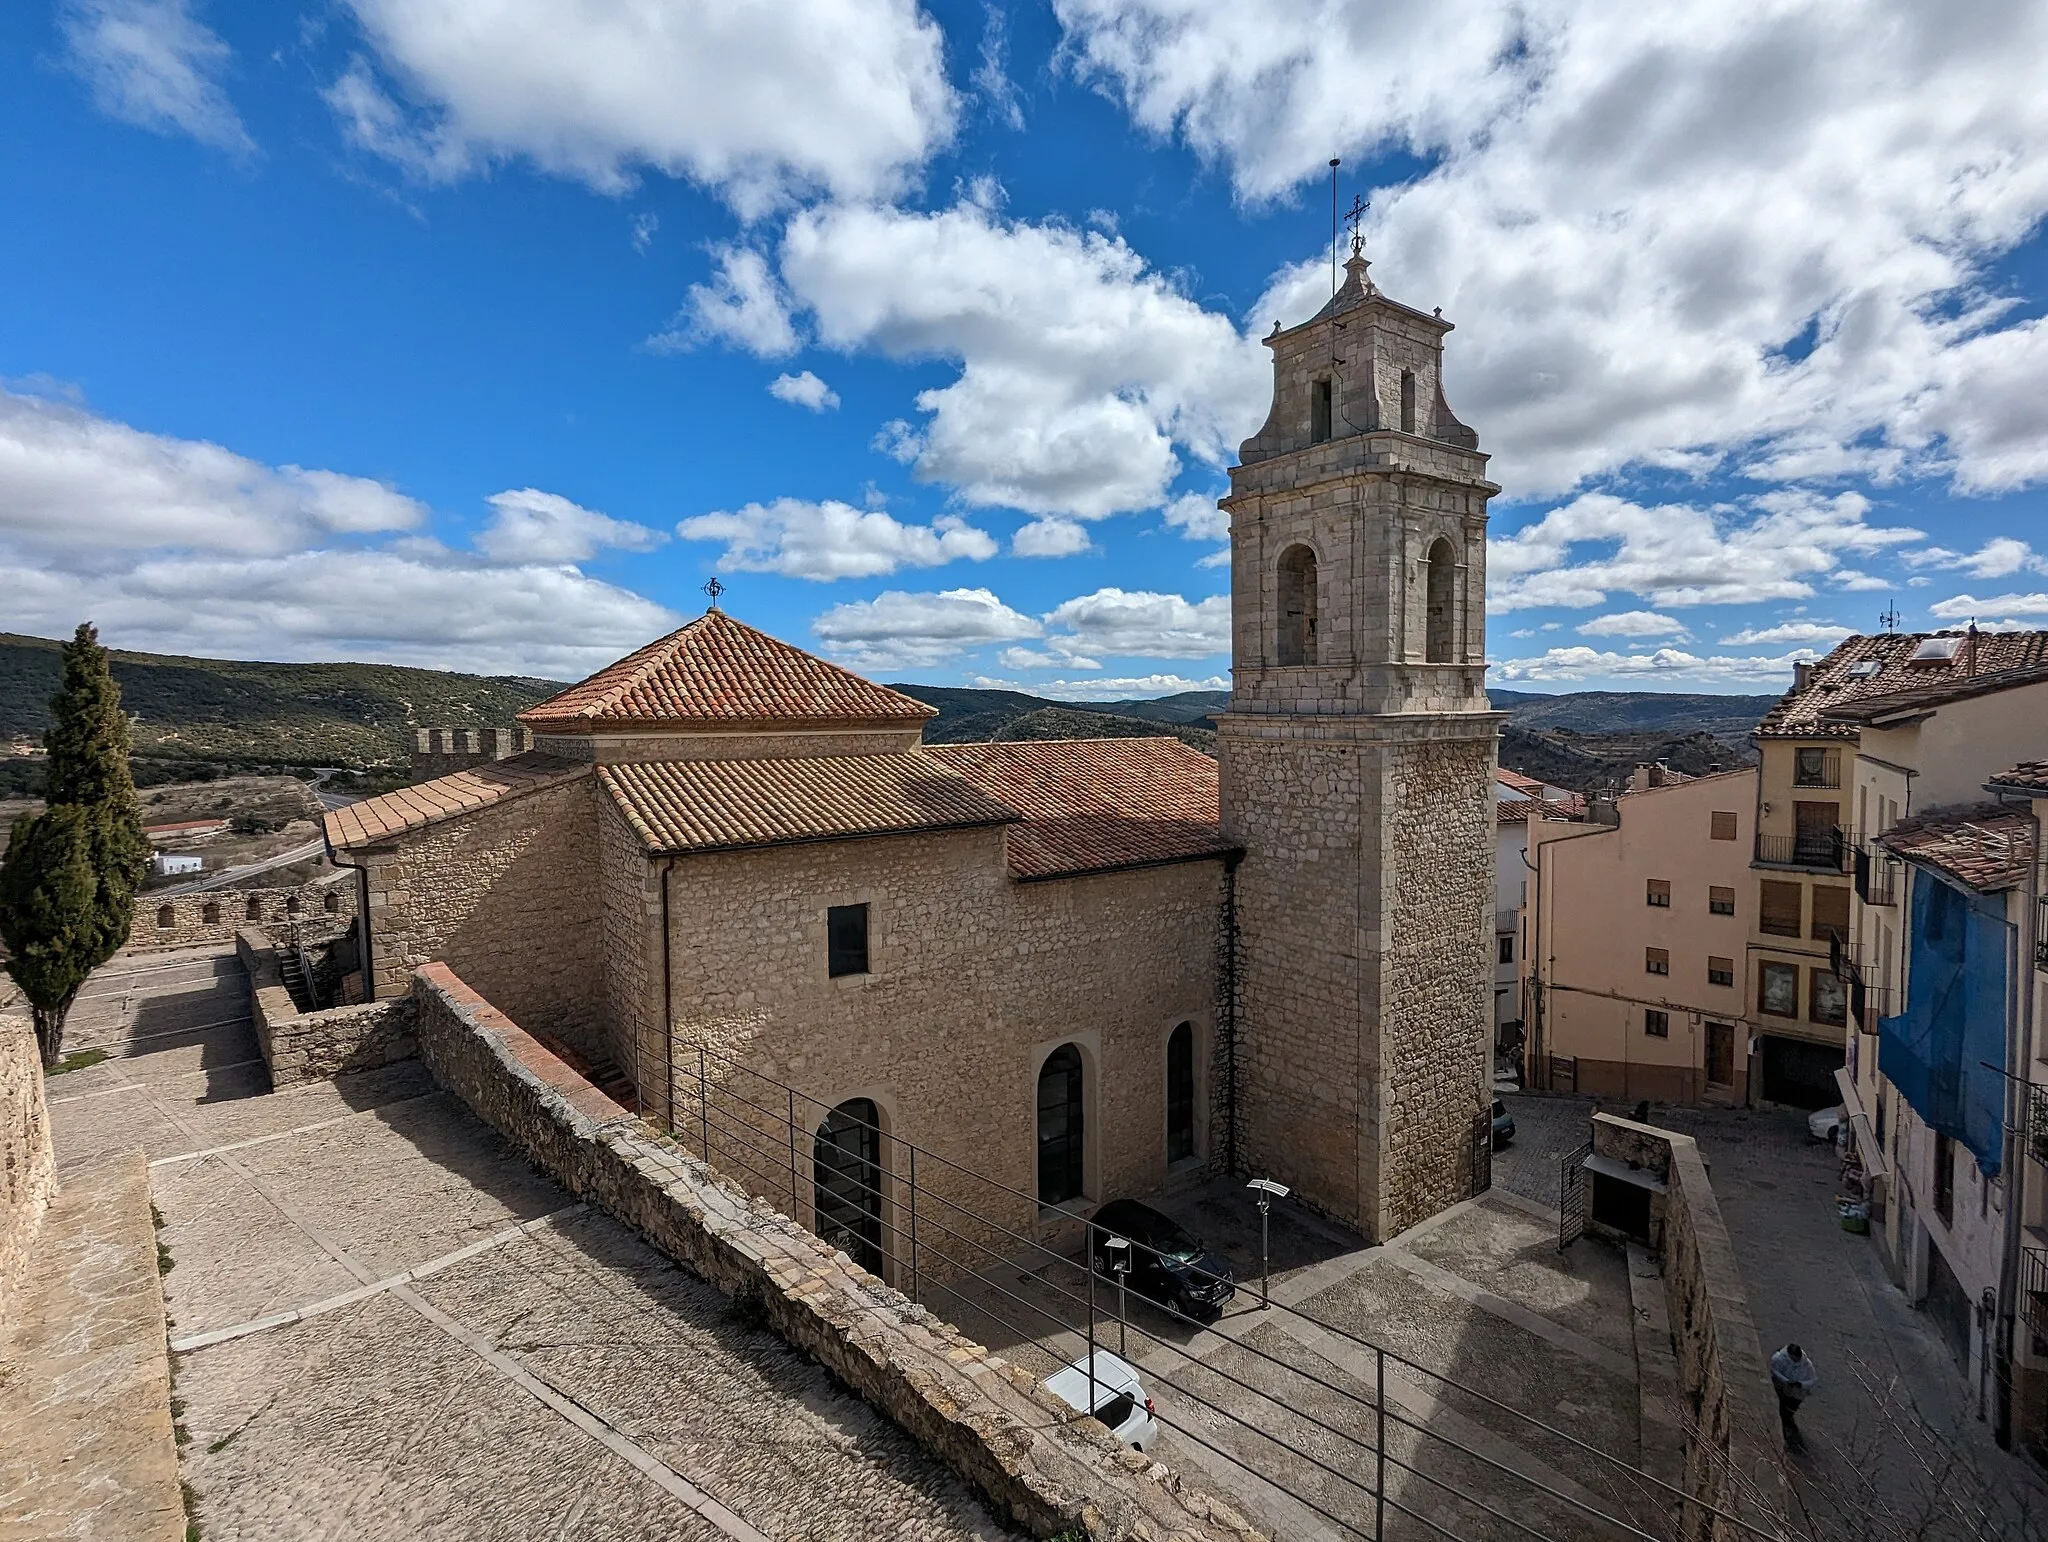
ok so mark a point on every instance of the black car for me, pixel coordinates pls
(1167, 1265)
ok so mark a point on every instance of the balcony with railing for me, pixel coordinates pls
(1877, 875)
(1817, 768)
(2041, 931)
(2034, 1284)
(1812, 850)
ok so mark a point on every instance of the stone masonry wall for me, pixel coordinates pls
(28, 1170)
(317, 1046)
(508, 896)
(322, 911)
(975, 979)
(1734, 1451)
(1436, 989)
(1039, 1465)
(632, 964)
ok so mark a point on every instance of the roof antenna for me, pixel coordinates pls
(1335, 162)
(714, 588)
(1890, 619)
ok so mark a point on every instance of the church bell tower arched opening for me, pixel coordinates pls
(1357, 759)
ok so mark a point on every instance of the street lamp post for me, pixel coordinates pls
(1119, 1250)
(1268, 1191)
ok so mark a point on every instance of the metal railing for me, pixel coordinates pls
(1877, 876)
(1817, 768)
(1822, 853)
(943, 1230)
(2034, 1291)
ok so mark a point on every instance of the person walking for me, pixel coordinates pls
(1793, 1378)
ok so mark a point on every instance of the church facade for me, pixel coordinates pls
(1066, 971)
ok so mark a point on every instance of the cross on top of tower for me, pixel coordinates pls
(1352, 216)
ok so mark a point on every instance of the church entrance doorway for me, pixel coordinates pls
(847, 1196)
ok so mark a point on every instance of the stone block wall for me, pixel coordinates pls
(321, 910)
(1734, 1450)
(317, 1046)
(28, 1169)
(1040, 1466)
(439, 751)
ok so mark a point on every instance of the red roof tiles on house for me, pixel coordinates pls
(679, 806)
(1094, 805)
(1987, 846)
(1517, 811)
(2029, 776)
(717, 672)
(410, 808)
(1860, 668)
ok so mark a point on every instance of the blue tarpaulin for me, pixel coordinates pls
(1940, 1052)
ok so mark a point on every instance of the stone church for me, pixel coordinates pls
(1082, 969)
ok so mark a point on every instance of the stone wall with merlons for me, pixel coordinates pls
(1042, 1467)
(28, 1169)
(317, 1046)
(321, 911)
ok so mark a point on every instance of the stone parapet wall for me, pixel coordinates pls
(317, 1046)
(321, 910)
(1032, 1458)
(28, 1169)
(1734, 1449)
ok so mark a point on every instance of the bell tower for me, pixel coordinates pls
(1357, 759)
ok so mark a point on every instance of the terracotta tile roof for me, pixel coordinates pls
(717, 672)
(1093, 805)
(409, 808)
(722, 805)
(1987, 846)
(2029, 776)
(1518, 811)
(1915, 699)
(1860, 668)
(1523, 784)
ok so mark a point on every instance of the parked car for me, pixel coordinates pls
(1503, 1124)
(1120, 1401)
(1168, 1265)
(1826, 1123)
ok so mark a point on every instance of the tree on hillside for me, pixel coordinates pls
(68, 880)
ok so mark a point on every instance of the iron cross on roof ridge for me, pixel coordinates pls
(1352, 215)
(714, 588)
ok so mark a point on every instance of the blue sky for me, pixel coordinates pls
(480, 337)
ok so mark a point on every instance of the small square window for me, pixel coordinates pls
(1720, 901)
(1657, 960)
(846, 937)
(1723, 825)
(1656, 1024)
(1720, 971)
(1659, 893)
(1506, 945)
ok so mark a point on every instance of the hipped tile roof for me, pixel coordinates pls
(409, 808)
(1819, 711)
(1517, 811)
(2029, 776)
(718, 672)
(1094, 805)
(1987, 846)
(683, 806)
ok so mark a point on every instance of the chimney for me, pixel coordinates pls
(1970, 651)
(1802, 676)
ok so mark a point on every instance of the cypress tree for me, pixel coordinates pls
(68, 881)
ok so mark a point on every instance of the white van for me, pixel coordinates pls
(1120, 1400)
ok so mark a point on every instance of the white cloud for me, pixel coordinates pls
(992, 76)
(1790, 632)
(1670, 233)
(1122, 688)
(154, 64)
(1848, 578)
(1672, 665)
(1964, 607)
(532, 526)
(760, 103)
(1674, 554)
(896, 630)
(89, 490)
(742, 305)
(1633, 623)
(1996, 558)
(1117, 622)
(644, 227)
(1197, 518)
(831, 539)
(1084, 377)
(1050, 538)
(804, 390)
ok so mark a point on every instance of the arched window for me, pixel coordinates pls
(209, 913)
(166, 916)
(330, 902)
(1297, 606)
(1319, 400)
(846, 1166)
(255, 908)
(1443, 578)
(1407, 401)
(1060, 1134)
(1180, 1093)
(291, 904)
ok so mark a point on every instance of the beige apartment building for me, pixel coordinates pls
(1634, 934)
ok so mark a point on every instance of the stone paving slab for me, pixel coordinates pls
(85, 1412)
